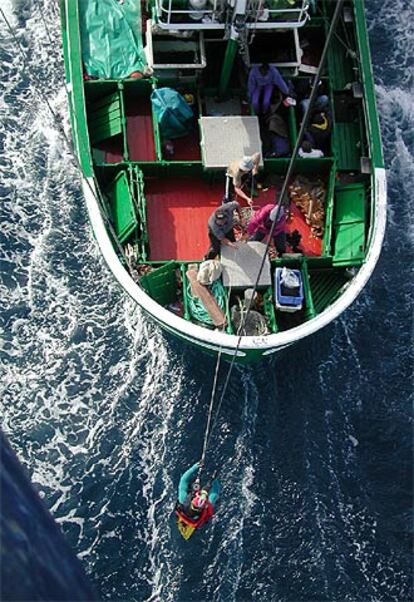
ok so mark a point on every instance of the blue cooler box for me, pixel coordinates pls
(289, 303)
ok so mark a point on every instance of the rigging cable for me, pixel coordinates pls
(209, 427)
(278, 204)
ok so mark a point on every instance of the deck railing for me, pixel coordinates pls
(181, 15)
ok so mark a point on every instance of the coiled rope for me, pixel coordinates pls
(196, 307)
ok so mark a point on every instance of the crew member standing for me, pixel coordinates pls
(260, 84)
(240, 173)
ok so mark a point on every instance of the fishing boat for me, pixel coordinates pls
(160, 105)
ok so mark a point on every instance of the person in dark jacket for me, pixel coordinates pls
(319, 130)
(220, 228)
(196, 505)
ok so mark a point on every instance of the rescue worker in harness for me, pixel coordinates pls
(195, 505)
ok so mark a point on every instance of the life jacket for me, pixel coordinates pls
(205, 515)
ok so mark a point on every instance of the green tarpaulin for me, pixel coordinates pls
(111, 37)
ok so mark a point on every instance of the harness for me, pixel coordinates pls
(205, 515)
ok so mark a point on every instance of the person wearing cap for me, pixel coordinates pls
(196, 504)
(261, 223)
(220, 228)
(241, 172)
(260, 85)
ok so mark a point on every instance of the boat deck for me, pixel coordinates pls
(161, 190)
(139, 130)
(177, 212)
(178, 209)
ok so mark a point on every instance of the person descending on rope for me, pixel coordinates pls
(195, 506)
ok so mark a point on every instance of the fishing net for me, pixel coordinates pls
(254, 323)
(241, 225)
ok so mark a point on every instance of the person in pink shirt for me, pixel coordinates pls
(261, 223)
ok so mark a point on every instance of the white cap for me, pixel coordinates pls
(246, 164)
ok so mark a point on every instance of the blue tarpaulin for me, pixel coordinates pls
(173, 114)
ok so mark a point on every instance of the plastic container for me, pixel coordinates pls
(288, 301)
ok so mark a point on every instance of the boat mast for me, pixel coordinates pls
(237, 28)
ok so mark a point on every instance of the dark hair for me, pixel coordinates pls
(264, 67)
(306, 146)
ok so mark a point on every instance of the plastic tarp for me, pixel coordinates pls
(111, 38)
(174, 116)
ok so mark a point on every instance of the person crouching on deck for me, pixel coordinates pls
(260, 84)
(261, 223)
(240, 173)
(194, 503)
(220, 228)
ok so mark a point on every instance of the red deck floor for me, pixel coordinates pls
(187, 148)
(310, 245)
(140, 134)
(113, 149)
(178, 211)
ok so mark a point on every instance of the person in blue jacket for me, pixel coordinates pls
(196, 505)
(260, 84)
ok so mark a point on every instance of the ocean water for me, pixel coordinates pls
(314, 446)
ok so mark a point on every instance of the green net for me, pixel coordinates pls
(111, 38)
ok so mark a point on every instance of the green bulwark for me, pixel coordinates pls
(122, 208)
(161, 283)
(349, 225)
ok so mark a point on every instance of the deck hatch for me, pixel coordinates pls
(241, 266)
(227, 137)
(107, 118)
(349, 225)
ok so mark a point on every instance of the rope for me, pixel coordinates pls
(209, 427)
(196, 307)
(211, 423)
(209, 416)
(278, 205)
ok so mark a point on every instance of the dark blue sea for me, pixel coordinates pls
(314, 447)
